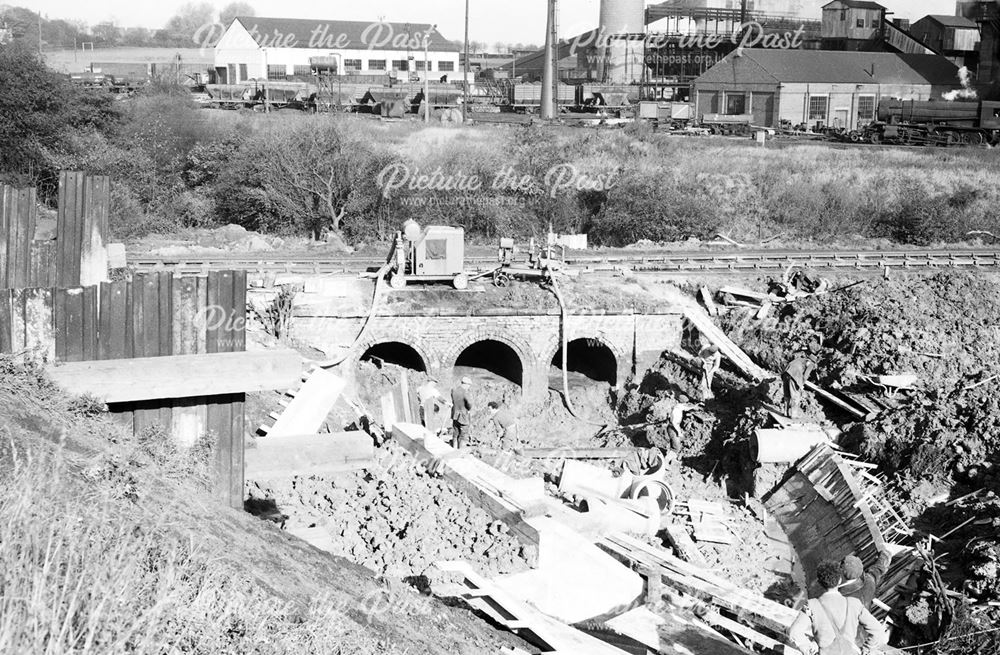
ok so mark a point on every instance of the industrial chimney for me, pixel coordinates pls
(622, 24)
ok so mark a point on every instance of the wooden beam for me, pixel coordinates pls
(848, 407)
(570, 452)
(179, 376)
(316, 454)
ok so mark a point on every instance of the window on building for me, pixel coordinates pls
(818, 108)
(376, 64)
(736, 104)
(860, 22)
(276, 72)
(303, 70)
(446, 65)
(843, 14)
(352, 64)
(866, 109)
(243, 73)
(231, 78)
(400, 65)
(420, 65)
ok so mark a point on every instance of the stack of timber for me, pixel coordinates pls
(828, 514)
(761, 621)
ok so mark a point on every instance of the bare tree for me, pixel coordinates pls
(183, 26)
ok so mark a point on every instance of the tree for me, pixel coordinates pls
(136, 36)
(234, 9)
(106, 33)
(39, 110)
(182, 28)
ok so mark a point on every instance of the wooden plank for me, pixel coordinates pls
(29, 210)
(89, 334)
(307, 411)
(164, 324)
(6, 320)
(719, 621)
(179, 376)
(187, 423)
(569, 452)
(831, 398)
(12, 236)
(713, 532)
(112, 320)
(308, 454)
(73, 331)
(17, 331)
(683, 545)
(93, 256)
(39, 323)
(5, 212)
(220, 417)
(76, 236)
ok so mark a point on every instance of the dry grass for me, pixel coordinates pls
(113, 544)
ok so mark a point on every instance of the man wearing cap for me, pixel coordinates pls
(460, 408)
(862, 584)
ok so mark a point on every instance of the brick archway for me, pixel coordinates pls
(622, 361)
(524, 353)
(430, 363)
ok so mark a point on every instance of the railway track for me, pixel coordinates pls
(653, 261)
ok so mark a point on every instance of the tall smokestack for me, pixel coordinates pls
(623, 56)
(550, 78)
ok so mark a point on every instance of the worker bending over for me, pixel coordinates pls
(710, 359)
(829, 625)
(506, 424)
(794, 379)
(432, 406)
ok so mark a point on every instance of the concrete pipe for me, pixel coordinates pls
(657, 490)
(774, 446)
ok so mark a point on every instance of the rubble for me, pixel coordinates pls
(395, 519)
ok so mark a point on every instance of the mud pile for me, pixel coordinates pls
(395, 519)
(943, 329)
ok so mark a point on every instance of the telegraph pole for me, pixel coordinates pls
(550, 79)
(465, 67)
(39, 34)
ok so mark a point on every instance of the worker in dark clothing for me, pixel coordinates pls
(709, 359)
(862, 584)
(794, 378)
(506, 424)
(460, 408)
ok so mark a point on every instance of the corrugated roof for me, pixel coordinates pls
(343, 34)
(960, 22)
(856, 4)
(769, 66)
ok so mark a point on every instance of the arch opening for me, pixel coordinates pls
(490, 359)
(394, 352)
(587, 361)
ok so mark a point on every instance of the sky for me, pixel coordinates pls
(491, 21)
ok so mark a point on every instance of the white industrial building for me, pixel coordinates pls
(278, 48)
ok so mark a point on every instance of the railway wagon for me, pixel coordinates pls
(528, 96)
(936, 122)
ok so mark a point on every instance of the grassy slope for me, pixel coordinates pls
(114, 543)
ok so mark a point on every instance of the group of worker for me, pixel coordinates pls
(793, 377)
(434, 408)
(840, 618)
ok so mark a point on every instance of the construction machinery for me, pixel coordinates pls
(541, 264)
(435, 253)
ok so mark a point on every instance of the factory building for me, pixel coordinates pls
(986, 14)
(816, 87)
(280, 48)
(955, 37)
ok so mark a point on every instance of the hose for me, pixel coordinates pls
(380, 282)
(563, 315)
